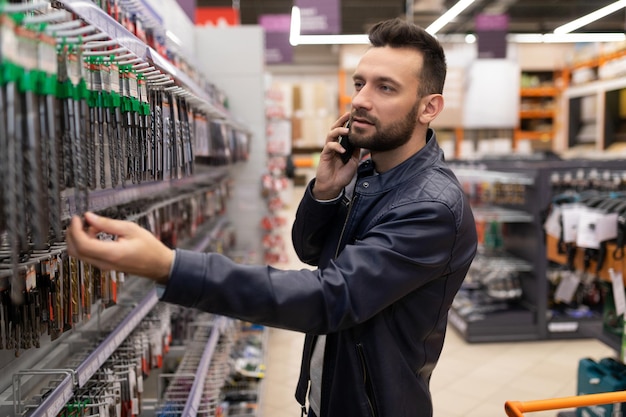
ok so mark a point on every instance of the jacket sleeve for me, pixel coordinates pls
(312, 224)
(406, 250)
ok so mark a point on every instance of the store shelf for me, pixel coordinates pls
(595, 87)
(514, 324)
(97, 17)
(591, 103)
(518, 231)
(539, 91)
(538, 106)
(94, 325)
(59, 354)
(482, 174)
(502, 215)
(598, 60)
(537, 114)
(196, 391)
(102, 199)
(534, 135)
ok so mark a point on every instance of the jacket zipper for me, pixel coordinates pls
(369, 388)
(345, 222)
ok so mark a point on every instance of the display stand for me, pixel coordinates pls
(524, 188)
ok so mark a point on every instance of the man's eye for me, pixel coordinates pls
(358, 85)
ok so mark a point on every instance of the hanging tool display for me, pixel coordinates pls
(584, 231)
(84, 119)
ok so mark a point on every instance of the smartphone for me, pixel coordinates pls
(347, 145)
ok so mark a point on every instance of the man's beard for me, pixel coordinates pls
(385, 138)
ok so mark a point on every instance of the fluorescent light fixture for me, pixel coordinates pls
(566, 37)
(470, 38)
(525, 37)
(591, 17)
(333, 40)
(583, 37)
(447, 17)
(294, 26)
(295, 38)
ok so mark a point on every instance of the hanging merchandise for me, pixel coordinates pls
(97, 114)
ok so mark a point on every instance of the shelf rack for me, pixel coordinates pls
(56, 400)
(530, 318)
(144, 300)
(539, 105)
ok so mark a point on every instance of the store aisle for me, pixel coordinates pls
(471, 380)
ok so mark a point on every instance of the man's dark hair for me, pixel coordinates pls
(398, 33)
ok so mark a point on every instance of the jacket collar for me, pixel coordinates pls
(424, 158)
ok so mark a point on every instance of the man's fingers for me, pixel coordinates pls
(82, 243)
(106, 225)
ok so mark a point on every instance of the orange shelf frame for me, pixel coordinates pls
(539, 91)
(537, 114)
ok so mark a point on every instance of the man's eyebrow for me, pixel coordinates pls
(381, 79)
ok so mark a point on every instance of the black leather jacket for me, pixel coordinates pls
(391, 261)
(389, 265)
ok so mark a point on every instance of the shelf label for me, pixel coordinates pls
(566, 289)
(564, 327)
(618, 291)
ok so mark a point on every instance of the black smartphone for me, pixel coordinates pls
(347, 145)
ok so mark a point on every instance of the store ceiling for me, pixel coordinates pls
(525, 16)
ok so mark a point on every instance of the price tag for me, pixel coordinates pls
(570, 217)
(567, 287)
(552, 225)
(619, 297)
(594, 228)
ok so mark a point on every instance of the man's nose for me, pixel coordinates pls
(362, 98)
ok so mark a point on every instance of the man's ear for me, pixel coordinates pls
(432, 105)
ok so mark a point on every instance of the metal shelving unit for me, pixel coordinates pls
(56, 400)
(56, 362)
(530, 317)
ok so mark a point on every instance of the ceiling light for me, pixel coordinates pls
(333, 40)
(294, 26)
(583, 37)
(525, 37)
(445, 18)
(295, 38)
(470, 38)
(591, 17)
(565, 38)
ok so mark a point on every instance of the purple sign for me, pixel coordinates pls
(275, 22)
(319, 17)
(491, 30)
(278, 50)
(495, 22)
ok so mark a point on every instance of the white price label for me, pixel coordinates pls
(619, 297)
(567, 287)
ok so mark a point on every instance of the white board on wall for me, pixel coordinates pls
(492, 94)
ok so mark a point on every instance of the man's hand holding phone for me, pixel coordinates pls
(338, 161)
(344, 140)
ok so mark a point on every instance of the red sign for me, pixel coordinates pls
(217, 16)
